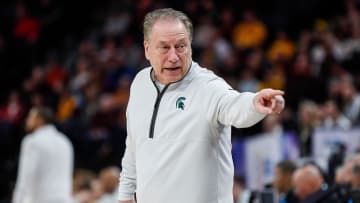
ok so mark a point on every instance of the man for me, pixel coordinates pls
(283, 181)
(109, 178)
(355, 181)
(240, 193)
(343, 174)
(307, 181)
(46, 162)
(179, 118)
(310, 186)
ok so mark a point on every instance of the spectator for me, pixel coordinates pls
(82, 75)
(351, 99)
(96, 190)
(342, 175)
(66, 107)
(249, 33)
(55, 74)
(241, 194)
(307, 181)
(334, 118)
(13, 111)
(27, 27)
(36, 82)
(273, 78)
(89, 188)
(248, 82)
(132, 53)
(272, 125)
(82, 185)
(355, 180)
(116, 23)
(310, 187)
(109, 178)
(283, 181)
(205, 33)
(307, 122)
(301, 84)
(282, 49)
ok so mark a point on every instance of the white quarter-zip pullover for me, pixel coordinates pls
(178, 147)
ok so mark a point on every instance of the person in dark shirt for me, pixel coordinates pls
(310, 186)
(283, 181)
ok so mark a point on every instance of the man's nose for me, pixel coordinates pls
(173, 57)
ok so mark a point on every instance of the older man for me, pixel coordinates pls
(307, 181)
(310, 186)
(179, 118)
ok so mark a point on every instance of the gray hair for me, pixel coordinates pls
(166, 14)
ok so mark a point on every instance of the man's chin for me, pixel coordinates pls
(169, 78)
(173, 79)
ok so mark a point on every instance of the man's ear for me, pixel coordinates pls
(146, 49)
(190, 50)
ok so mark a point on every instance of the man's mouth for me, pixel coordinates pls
(172, 69)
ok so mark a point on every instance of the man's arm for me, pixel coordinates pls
(229, 107)
(127, 183)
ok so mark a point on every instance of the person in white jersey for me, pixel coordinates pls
(46, 162)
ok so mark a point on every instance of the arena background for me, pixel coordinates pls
(79, 58)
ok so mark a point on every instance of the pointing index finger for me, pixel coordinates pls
(271, 93)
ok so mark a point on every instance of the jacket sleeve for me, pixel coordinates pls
(229, 107)
(29, 161)
(127, 185)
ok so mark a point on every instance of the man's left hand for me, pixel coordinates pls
(269, 101)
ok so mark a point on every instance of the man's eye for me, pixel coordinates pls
(163, 49)
(180, 47)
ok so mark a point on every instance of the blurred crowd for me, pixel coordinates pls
(80, 59)
(306, 183)
(89, 187)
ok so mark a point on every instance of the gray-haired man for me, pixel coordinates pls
(179, 119)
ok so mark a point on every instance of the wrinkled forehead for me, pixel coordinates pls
(166, 29)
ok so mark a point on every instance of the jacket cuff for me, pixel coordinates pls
(125, 196)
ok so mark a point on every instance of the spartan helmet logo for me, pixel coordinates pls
(180, 103)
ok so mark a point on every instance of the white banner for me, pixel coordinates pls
(261, 156)
(325, 141)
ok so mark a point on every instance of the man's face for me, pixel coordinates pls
(302, 187)
(279, 180)
(31, 121)
(168, 49)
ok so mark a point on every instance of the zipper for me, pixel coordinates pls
(156, 109)
(158, 100)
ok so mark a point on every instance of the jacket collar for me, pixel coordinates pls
(44, 128)
(189, 75)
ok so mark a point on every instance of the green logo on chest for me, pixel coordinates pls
(180, 103)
